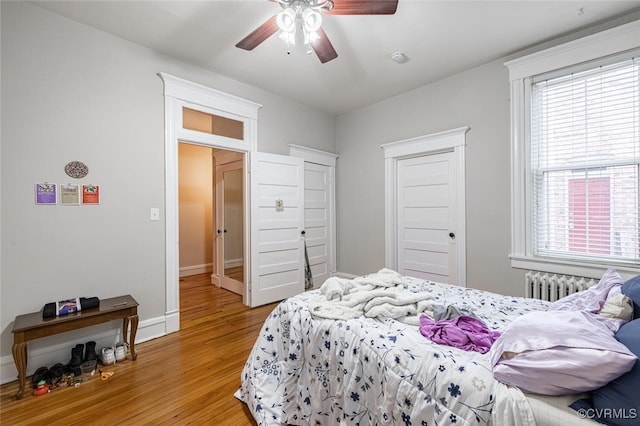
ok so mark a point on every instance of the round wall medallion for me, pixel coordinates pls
(76, 169)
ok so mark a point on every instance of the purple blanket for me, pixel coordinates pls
(464, 332)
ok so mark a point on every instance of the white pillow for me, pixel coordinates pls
(617, 306)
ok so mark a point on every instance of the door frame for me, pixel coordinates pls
(448, 141)
(179, 93)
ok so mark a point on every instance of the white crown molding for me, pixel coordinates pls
(180, 88)
(594, 46)
(312, 155)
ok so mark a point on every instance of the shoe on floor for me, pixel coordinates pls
(41, 374)
(121, 351)
(107, 356)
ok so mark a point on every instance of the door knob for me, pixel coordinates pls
(219, 231)
(303, 232)
(452, 235)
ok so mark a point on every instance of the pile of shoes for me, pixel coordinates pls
(44, 379)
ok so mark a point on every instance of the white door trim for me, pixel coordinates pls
(448, 141)
(312, 155)
(178, 93)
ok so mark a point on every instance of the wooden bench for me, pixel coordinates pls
(32, 326)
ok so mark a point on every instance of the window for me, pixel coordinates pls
(212, 124)
(575, 153)
(584, 153)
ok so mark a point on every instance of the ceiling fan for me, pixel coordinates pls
(301, 22)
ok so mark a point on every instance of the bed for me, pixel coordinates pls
(349, 363)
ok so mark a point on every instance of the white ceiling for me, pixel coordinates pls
(440, 37)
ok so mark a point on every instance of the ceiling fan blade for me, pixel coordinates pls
(260, 34)
(363, 7)
(323, 47)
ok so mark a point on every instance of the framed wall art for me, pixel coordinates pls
(69, 194)
(46, 193)
(90, 194)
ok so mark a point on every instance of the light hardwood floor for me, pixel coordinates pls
(187, 377)
(237, 273)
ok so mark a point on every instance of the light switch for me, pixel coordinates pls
(154, 214)
(279, 205)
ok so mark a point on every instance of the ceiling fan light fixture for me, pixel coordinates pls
(311, 20)
(286, 20)
(289, 38)
(300, 23)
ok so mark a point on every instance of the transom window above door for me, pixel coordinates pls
(212, 124)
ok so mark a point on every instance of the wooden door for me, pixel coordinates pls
(426, 207)
(317, 220)
(229, 226)
(277, 223)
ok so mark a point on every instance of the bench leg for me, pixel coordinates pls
(133, 321)
(20, 358)
(132, 336)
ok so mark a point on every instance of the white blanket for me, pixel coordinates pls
(511, 407)
(380, 295)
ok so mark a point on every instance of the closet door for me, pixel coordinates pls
(426, 203)
(319, 210)
(318, 220)
(277, 226)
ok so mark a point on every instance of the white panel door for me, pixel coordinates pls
(229, 221)
(277, 222)
(317, 220)
(426, 217)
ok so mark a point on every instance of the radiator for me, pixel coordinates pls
(551, 287)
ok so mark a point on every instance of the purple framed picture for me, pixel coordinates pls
(46, 193)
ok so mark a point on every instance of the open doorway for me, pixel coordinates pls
(210, 210)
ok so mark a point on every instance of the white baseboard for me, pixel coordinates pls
(172, 322)
(61, 351)
(232, 263)
(185, 271)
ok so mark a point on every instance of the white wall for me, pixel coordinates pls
(478, 98)
(70, 92)
(195, 201)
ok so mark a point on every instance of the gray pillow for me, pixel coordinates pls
(631, 289)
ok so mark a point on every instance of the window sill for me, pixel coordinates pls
(565, 267)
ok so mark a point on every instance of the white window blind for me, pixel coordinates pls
(585, 152)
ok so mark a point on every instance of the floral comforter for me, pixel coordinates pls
(305, 370)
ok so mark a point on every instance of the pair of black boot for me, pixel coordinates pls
(80, 354)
